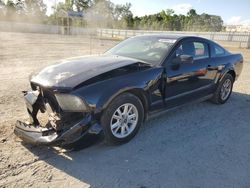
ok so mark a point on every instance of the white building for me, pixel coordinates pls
(238, 28)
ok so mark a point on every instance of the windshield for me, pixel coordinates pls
(151, 49)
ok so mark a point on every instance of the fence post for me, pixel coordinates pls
(248, 42)
(231, 34)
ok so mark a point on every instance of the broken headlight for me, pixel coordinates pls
(71, 103)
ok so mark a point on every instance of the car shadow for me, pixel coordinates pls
(186, 147)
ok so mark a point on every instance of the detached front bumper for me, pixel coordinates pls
(43, 136)
(35, 134)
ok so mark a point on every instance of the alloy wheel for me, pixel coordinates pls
(124, 120)
(226, 89)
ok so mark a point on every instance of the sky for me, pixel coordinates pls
(232, 11)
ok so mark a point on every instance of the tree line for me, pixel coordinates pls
(23, 10)
(104, 13)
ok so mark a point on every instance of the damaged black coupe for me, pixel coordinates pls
(116, 92)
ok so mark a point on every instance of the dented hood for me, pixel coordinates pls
(72, 72)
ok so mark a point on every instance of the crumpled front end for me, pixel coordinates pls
(49, 124)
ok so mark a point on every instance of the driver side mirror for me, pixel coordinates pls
(185, 58)
(177, 61)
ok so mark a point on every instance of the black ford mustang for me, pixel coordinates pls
(116, 92)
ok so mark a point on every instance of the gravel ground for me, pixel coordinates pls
(200, 145)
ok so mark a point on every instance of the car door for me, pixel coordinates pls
(187, 73)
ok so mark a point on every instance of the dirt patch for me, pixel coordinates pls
(202, 145)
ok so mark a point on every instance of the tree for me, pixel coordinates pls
(82, 5)
(2, 4)
(10, 10)
(123, 15)
(35, 10)
(104, 13)
(62, 6)
(2, 10)
(192, 13)
(24, 10)
(168, 19)
(137, 22)
(100, 14)
(121, 11)
(20, 7)
(35, 7)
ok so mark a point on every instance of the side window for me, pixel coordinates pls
(201, 50)
(218, 51)
(197, 50)
(186, 48)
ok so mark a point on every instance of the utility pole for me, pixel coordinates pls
(55, 12)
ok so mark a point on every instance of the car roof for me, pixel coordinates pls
(171, 36)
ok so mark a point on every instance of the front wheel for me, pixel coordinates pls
(122, 118)
(223, 90)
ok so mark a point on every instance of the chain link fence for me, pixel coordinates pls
(243, 39)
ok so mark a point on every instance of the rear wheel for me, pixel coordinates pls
(223, 90)
(122, 118)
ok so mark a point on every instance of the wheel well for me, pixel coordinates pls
(138, 93)
(142, 97)
(232, 73)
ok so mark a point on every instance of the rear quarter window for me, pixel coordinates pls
(217, 51)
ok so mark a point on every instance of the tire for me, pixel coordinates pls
(218, 95)
(124, 125)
